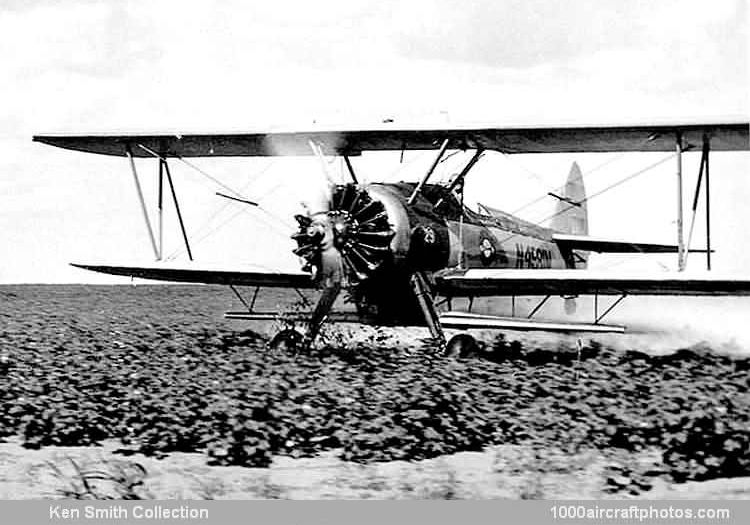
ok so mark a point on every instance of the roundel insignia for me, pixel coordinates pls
(486, 251)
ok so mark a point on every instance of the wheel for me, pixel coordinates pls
(462, 345)
(288, 340)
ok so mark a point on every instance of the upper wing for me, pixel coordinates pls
(206, 275)
(724, 135)
(593, 244)
(484, 282)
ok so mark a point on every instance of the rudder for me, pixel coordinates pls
(571, 213)
(572, 217)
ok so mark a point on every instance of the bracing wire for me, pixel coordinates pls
(236, 193)
(215, 181)
(403, 165)
(203, 236)
(533, 174)
(194, 167)
(616, 184)
(226, 204)
(220, 209)
(539, 178)
(602, 191)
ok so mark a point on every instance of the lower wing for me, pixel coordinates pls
(488, 282)
(206, 275)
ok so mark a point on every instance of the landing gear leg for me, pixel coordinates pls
(293, 340)
(427, 304)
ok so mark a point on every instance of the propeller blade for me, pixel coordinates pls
(322, 309)
(331, 278)
(331, 270)
(319, 199)
(317, 202)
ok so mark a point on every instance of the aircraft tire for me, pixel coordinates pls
(288, 340)
(462, 345)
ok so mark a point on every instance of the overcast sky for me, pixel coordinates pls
(86, 65)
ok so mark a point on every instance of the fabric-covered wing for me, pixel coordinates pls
(593, 244)
(724, 135)
(206, 275)
(488, 282)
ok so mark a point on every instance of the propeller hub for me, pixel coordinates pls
(345, 228)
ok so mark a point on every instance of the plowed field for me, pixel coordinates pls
(157, 370)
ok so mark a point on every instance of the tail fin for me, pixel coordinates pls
(571, 214)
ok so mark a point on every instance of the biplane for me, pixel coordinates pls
(404, 251)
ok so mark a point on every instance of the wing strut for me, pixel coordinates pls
(351, 169)
(176, 206)
(427, 175)
(459, 179)
(680, 240)
(537, 307)
(138, 190)
(696, 196)
(598, 318)
(707, 148)
(160, 205)
(242, 299)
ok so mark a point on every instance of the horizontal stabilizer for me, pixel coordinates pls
(466, 320)
(206, 275)
(593, 244)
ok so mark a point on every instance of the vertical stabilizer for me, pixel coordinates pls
(571, 215)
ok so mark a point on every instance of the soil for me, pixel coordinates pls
(114, 381)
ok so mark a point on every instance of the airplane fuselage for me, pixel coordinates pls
(451, 235)
(431, 237)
